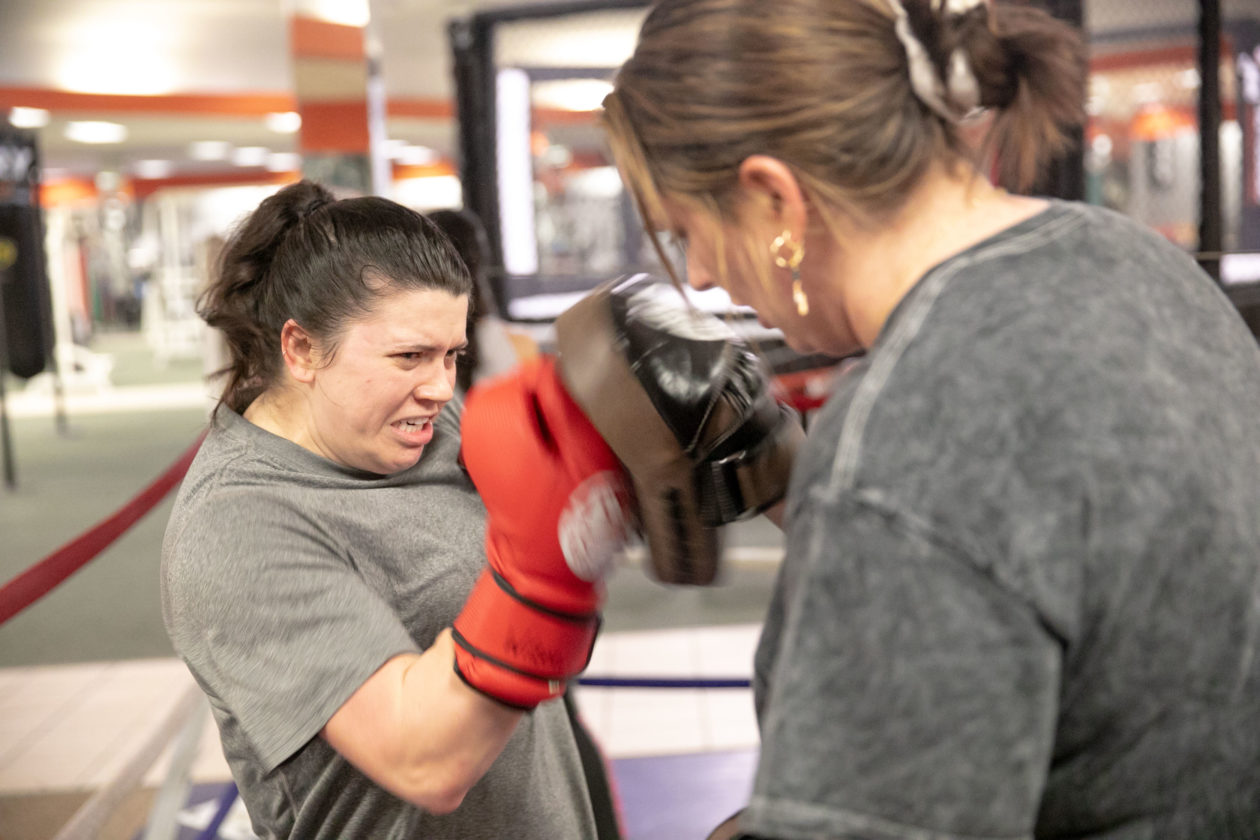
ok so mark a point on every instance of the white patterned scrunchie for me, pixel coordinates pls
(955, 97)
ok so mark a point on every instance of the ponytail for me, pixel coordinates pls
(1042, 98)
(1018, 61)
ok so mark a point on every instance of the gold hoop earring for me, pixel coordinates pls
(792, 262)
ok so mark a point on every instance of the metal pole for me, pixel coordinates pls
(1211, 240)
(47, 295)
(1065, 176)
(6, 442)
(472, 46)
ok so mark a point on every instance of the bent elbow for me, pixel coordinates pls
(443, 801)
(436, 791)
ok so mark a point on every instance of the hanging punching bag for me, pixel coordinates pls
(23, 279)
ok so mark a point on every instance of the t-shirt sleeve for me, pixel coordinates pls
(909, 694)
(273, 621)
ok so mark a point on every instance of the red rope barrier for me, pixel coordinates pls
(40, 579)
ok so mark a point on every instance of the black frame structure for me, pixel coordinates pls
(472, 45)
(472, 48)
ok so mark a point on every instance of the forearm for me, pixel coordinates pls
(418, 731)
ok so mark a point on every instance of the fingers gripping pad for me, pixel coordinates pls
(686, 406)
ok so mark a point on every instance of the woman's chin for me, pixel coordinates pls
(799, 344)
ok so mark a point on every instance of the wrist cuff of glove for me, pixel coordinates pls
(516, 650)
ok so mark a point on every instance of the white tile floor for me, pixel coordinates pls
(70, 728)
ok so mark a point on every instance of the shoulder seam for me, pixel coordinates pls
(883, 363)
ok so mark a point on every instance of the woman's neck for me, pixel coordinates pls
(948, 213)
(273, 410)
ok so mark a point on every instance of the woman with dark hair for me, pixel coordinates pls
(326, 537)
(1021, 589)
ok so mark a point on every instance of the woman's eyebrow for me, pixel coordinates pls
(420, 347)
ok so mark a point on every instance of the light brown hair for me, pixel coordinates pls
(824, 86)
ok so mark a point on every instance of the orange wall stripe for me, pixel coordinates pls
(560, 116)
(143, 187)
(242, 105)
(1132, 59)
(334, 127)
(66, 191)
(402, 171)
(311, 38)
(425, 109)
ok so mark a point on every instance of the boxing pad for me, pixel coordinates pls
(686, 406)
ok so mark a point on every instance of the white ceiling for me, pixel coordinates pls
(229, 47)
(240, 47)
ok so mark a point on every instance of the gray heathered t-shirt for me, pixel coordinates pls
(1022, 588)
(287, 580)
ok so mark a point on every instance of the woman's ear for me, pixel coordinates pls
(299, 351)
(773, 195)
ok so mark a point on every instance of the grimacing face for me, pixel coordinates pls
(373, 403)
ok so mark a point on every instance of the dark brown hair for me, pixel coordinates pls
(322, 262)
(824, 86)
(468, 235)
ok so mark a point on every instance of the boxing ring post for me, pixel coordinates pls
(1211, 233)
(6, 442)
(184, 722)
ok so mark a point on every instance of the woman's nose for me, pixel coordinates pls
(698, 276)
(437, 385)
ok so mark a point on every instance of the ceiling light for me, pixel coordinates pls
(415, 155)
(152, 168)
(107, 180)
(284, 162)
(92, 62)
(557, 156)
(1145, 93)
(209, 150)
(285, 122)
(429, 193)
(571, 94)
(95, 131)
(345, 12)
(1188, 79)
(29, 117)
(250, 156)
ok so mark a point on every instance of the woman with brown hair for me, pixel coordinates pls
(1021, 589)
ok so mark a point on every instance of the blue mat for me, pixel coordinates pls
(680, 797)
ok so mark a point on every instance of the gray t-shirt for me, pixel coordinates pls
(1022, 588)
(288, 580)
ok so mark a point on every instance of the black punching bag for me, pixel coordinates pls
(28, 326)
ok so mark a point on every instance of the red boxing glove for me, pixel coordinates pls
(559, 509)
